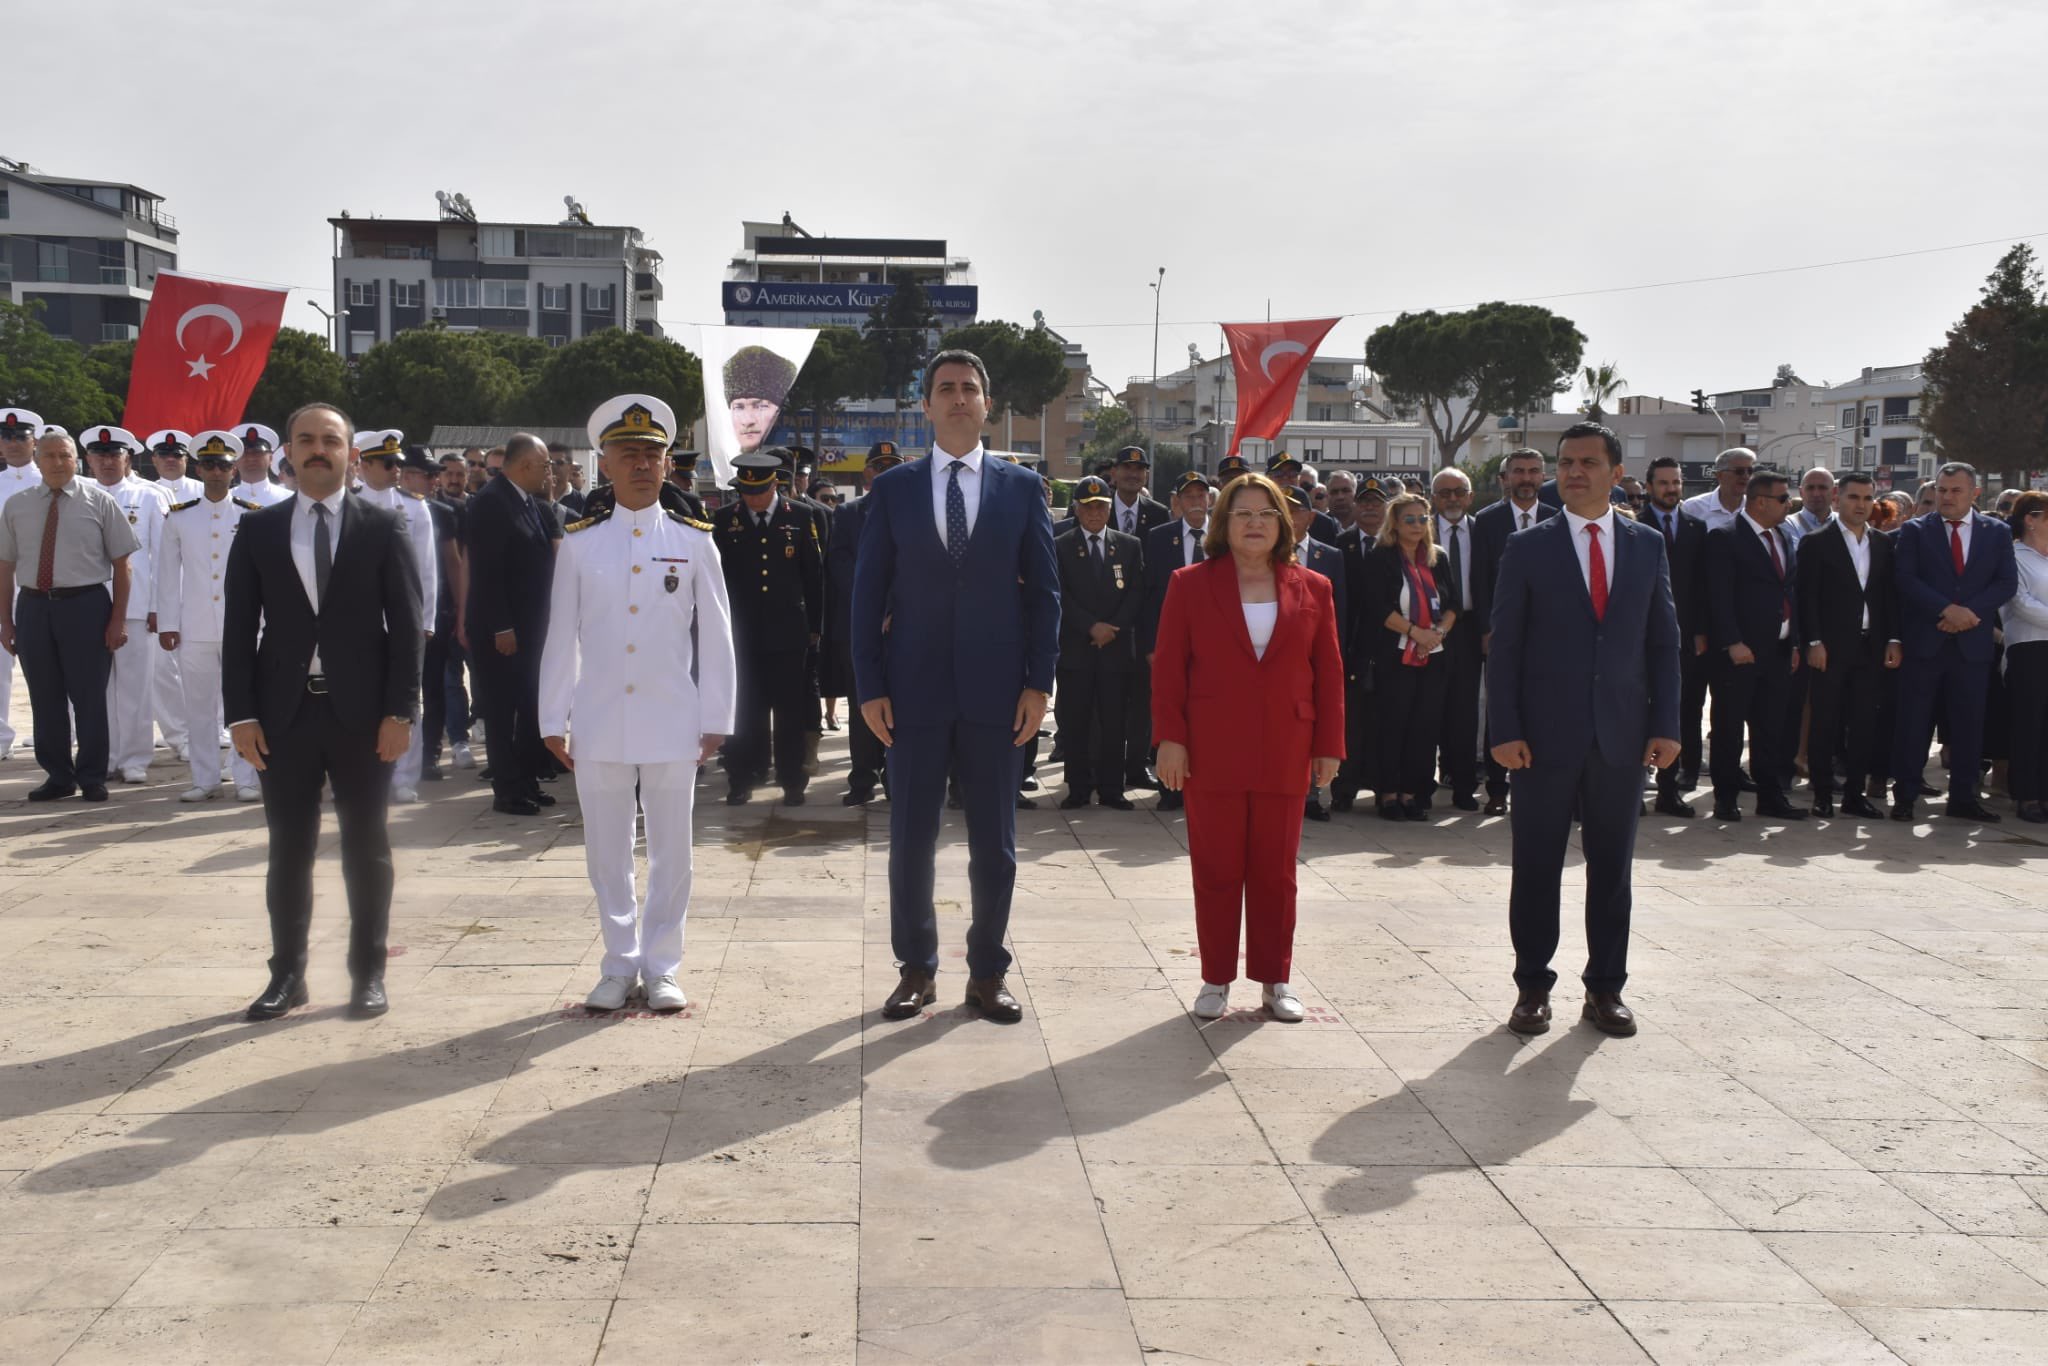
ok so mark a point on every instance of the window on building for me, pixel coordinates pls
(557, 341)
(455, 293)
(1897, 410)
(3, 203)
(554, 298)
(359, 342)
(1848, 417)
(1404, 455)
(404, 295)
(504, 293)
(1870, 414)
(497, 241)
(595, 246)
(52, 261)
(1845, 457)
(597, 298)
(362, 294)
(548, 243)
(1869, 457)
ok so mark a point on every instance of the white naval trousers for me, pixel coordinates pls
(131, 732)
(200, 708)
(644, 939)
(168, 702)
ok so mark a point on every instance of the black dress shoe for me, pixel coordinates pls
(1339, 802)
(1903, 811)
(1172, 801)
(1391, 811)
(1495, 806)
(1117, 801)
(739, 796)
(1465, 801)
(367, 1000)
(1962, 811)
(1859, 805)
(2034, 813)
(1314, 811)
(483, 775)
(516, 806)
(431, 774)
(1745, 782)
(1727, 811)
(1030, 784)
(97, 792)
(1414, 810)
(1689, 780)
(1824, 806)
(913, 993)
(1073, 801)
(1608, 1015)
(857, 796)
(539, 798)
(52, 791)
(1144, 781)
(989, 996)
(1671, 804)
(286, 990)
(793, 797)
(1531, 1014)
(1025, 803)
(1781, 811)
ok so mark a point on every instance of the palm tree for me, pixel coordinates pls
(1603, 382)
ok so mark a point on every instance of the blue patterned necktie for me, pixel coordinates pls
(956, 514)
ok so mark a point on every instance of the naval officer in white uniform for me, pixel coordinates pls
(618, 703)
(377, 457)
(131, 710)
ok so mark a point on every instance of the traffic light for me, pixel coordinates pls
(1699, 401)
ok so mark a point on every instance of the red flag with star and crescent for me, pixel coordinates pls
(202, 349)
(1270, 359)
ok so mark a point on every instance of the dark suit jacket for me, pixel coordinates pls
(1323, 527)
(511, 566)
(1571, 684)
(1383, 580)
(1491, 527)
(1250, 724)
(1925, 570)
(1688, 572)
(1115, 594)
(1354, 634)
(1832, 602)
(1165, 551)
(368, 632)
(1328, 561)
(962, 642)
(1746, 600)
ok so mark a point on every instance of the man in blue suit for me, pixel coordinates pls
(956, 619)
(1955, 570)
(1581, 692)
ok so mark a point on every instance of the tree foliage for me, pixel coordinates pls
(899, 331)
(1027, 368)
(430, 374)
(529, 355)
(841, 366)
(301, 370)
(1495, 359)
(585, 373)
(1602, 384)
(1115, 428)
(1986, 387)
(110, 364)
(47, 374)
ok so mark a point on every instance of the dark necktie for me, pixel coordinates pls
(46, 561)
(1671, 529)
(1525, 522)
(1457, 567)
(1195, 554)
(1095, 552)
(323, 553)
(1778, 563)
(956, 514)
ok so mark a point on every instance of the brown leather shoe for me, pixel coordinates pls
(993, 999)
(912, 995)
(1531, 1014)
(1608, 1014)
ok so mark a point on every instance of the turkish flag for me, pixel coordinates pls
(1270, 359)
(202, 349)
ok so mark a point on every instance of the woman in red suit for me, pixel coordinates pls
(1247, 697)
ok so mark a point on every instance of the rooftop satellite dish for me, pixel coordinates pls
(441, 198)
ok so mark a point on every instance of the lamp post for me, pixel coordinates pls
(333, 333)
(1158, 292)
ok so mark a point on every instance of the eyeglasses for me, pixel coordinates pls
(1415, 521)
(1263, 516)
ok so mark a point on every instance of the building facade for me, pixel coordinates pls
(556, 281)
(1875, 421)
(87, 251)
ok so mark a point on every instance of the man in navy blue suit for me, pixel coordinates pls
(956, 618)
(1955, 570)
(1581, 692)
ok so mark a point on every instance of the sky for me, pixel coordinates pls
(1306, 158)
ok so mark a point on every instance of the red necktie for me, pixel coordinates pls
(1955, 546)
(46, 563)
(1596, 572)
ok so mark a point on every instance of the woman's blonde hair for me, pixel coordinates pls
(1389, 536)
(1216, 539)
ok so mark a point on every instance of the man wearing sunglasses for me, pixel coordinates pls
(18, 428)
(1752, 632)
(1722, 504)
(192, 560)
(377, 457)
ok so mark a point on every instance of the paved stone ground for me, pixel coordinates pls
(1829, 1144)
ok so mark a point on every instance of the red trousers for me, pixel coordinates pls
(1242, 846)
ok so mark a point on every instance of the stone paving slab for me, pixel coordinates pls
(1829, 1143)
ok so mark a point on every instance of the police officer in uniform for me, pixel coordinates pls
(774, 576)
(131, 698)
(377, 457)
(864, 749)
(682, 477)
(192, 561)
(18, 428)
(793, 479)
(260, 459)
(1102, 588)
(637, 688)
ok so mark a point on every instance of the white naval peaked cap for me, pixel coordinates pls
(169, 436)
(215, 441)
(390, 441)
(12, 419)
(632, 417)
(254, 433)
(121, 437)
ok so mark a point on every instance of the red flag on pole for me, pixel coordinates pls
(1270, 359)
(202, 349)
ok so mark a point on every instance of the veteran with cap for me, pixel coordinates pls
(377, 458)
(637, 690)
(682, 477)
(189, 606)
(131, 699)
(1102, 591)
(18, 428)
(65, 544)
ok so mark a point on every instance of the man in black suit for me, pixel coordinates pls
(1521, 475)
(1330, 562)
(1102, 591)
(509, 535)
(865, 755)
(320, 679)
(1134, 514)
(1464, 655)
(1174, 545)
(1361, 737)
(1685, 544)
(416, 475)
(1284, 470)
(1848, 612)
(1752, 631)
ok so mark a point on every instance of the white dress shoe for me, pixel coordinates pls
(1211, 1001)
(198, 794)
(248, 794)
(1283, 1004)
(609, 993)
(134, 775)
(664, 994)
(184, 754)
(405, 794)
(6, 752)
(463, 757)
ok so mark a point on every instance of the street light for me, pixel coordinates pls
(333, 332)
(1158, 292)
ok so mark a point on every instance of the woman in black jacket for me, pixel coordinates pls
(1407, 586)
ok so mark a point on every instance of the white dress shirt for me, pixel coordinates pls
(1124, 516)
(192, 563)
(1523, 518)
(15, 478)
(1582, 545)
(1859, 559)
(302, 549)
(1190, 541)
(2025, 617)
(1783, 558)
(1461, 530)
(970, 485)
(1707, 507)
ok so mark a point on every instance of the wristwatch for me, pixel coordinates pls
(401, 720)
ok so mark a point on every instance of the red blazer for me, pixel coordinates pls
(1249, 724)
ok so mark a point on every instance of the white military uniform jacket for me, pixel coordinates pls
(13, 480)
(183, 489)
(192, 565)
(262, 495)
(419, 526)
(615, 673)
(146, 507)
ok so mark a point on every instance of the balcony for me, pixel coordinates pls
(118, 332)
(117, 275)
(1902, 419)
